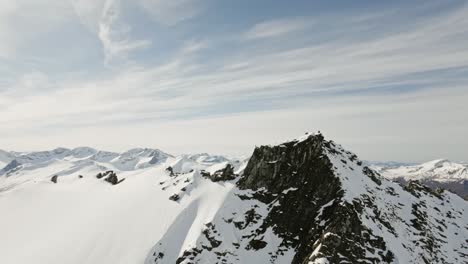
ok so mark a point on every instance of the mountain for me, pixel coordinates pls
(5, 158)
(435, 174)
(81, 157)
(304, 201)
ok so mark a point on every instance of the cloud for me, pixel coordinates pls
(274, 28)
(103, 18)
(22, 21)
(256, 81)
(114, 34)
(363, 81)
(172, 12)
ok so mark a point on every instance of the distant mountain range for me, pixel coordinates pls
(435, 174)
(307, 200)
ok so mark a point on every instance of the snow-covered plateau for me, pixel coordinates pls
(304, 201)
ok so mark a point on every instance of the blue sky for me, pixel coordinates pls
(387, 79)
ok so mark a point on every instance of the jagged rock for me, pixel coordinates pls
(372, 174)
(174, 197)
(54, 179)
(287, 165)
(225, 174)
(302, 165)
(205, 173)
(256, 244)
(317, 203)
(110, 177)
(171, 171)
(415, 187)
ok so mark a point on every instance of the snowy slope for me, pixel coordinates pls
(5, 158)
(436, 174)
(309, 200)
(82, 219)
(304, 201)
(437, 170)
(83, 157)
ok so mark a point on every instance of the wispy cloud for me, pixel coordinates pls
(103, 18)
(361, 77)
(114, 34)
(274, 28)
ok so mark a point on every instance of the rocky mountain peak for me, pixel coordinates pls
(303, 201)
(317, 203)
(288, 165)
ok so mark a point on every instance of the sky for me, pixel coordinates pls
(386, 79)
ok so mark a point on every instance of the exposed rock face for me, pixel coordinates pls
(226, 174)
(308, 174)
(174, 197)
(171, 171)
(288, 165)
(110, 177)
(54, 179)
(310, 201)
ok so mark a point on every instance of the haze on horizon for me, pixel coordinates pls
(388, 80)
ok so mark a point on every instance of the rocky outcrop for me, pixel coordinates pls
(171, 171)
(225, 174)
(313, 201)
(301, 178)
(54, 179)
(110, 177)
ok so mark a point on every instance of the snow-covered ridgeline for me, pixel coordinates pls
(303, 201)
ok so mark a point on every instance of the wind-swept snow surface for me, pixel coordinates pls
(83, 219)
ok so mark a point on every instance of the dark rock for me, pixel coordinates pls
(171, 171)
(305, 167)
(459, 187)
(416, 188)
(305, 207)
(226, 174)
(174, 197)
(256, 244)
(372, 175)
(54, 179)
(110, 177)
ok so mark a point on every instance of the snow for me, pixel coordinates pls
(87, 220)
(397, 209)
(320, 261)
(289, 190)
(440, 170)
(185, 233)
(5, 158)
(304, 137)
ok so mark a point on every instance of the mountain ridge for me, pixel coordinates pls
(303, 201)
(440, 173)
